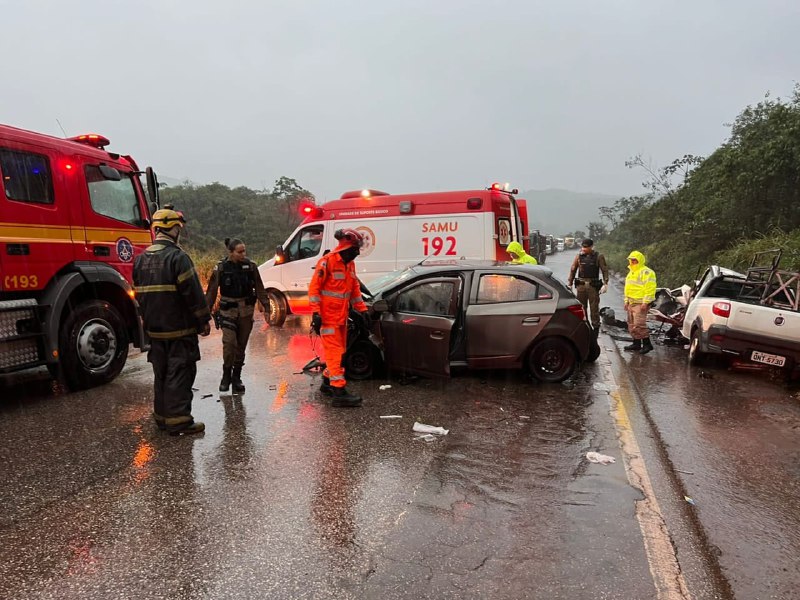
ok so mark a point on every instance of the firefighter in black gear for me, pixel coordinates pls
(591, 281)
(174, 311)
(240, 286)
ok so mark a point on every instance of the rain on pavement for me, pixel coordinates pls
(286, 497)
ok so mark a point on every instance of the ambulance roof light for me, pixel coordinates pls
(499, 187)
(91, 139)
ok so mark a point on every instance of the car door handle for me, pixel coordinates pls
(530, 320)
(437, 335)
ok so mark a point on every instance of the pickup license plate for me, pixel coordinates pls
(768, 359)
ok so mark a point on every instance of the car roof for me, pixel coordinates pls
(475, 265)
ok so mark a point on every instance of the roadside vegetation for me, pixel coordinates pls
(261, 218)
(719, 209)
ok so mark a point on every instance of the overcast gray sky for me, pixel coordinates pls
(418, 95)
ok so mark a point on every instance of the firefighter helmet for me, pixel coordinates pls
(350, 236)
(167, 218)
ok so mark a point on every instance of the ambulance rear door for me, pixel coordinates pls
(300, 255)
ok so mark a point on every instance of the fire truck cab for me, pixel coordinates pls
(72, 218)
(398, 230)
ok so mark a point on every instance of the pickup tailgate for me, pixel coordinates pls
(769, 322)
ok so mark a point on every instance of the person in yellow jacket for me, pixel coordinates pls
(518, 254)
(640, 291)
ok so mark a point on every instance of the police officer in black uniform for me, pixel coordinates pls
(174, 311)
(589, 265)
(240, 286)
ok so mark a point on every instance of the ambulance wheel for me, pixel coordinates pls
(360, 361)
(277, 308)
(92, 345)
(552, 360)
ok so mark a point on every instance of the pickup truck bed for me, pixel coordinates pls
(724, 317)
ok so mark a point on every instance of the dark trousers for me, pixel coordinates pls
(174, 367)
(237, 324)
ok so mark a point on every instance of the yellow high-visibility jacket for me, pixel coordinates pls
(640, 284)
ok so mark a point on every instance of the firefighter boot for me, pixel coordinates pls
(236, 379)
(191, 428)
(341, 397)
(636, 346)
(225, 382)
(647, 346)
(326, 388)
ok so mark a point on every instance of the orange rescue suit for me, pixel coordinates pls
(333, 291)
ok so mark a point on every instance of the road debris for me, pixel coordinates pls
(524, 417)
(428, 437)
(601, 459)
(206, 396)
(690, 500)
(391, 416)
(422, 428)
(604, 387)
(384, 387)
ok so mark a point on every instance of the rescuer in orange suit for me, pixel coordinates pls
(333, 291)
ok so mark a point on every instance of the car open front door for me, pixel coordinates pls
(417, 330)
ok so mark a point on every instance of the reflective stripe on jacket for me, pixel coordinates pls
(640, 284)
(334, 289)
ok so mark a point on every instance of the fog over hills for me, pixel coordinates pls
(561, 211)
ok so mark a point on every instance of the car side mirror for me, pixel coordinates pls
(279, 252)
(381, 306)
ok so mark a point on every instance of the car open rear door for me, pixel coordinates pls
(417, 331)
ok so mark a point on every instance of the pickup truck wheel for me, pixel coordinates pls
(696, 356)
(93, 345)
(277, 308)
(552, 360)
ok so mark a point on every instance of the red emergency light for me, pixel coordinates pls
(309, 209)
(91, 139)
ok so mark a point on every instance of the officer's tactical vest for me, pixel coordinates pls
(589, 265)
(236, 280)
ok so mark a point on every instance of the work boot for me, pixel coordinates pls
(225, 382)
(326, 388)
(341, 397)
(636, 346)
(159, 421)
(647, 346)
(236, 379)
(191, 428)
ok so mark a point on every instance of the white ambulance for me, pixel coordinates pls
(398, 230)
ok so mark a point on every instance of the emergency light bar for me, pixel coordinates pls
(91, 139)
(499, 187)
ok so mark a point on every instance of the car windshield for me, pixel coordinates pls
(386, 281)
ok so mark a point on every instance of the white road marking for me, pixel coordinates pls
(664, 566)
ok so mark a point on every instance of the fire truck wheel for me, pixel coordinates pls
(93, 344)
(277, 308)
(552, 360)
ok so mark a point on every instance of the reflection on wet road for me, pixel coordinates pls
(286, 497)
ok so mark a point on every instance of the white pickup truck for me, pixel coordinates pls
(731, 314)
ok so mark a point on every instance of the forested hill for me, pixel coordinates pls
(743, 198)
(261, 218)
(561, 211)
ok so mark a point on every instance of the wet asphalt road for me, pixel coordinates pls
(286, 497)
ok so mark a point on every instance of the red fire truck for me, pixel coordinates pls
(72, 218)
(398, 230)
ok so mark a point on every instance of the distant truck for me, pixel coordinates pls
(72, 218)
(752, 317)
